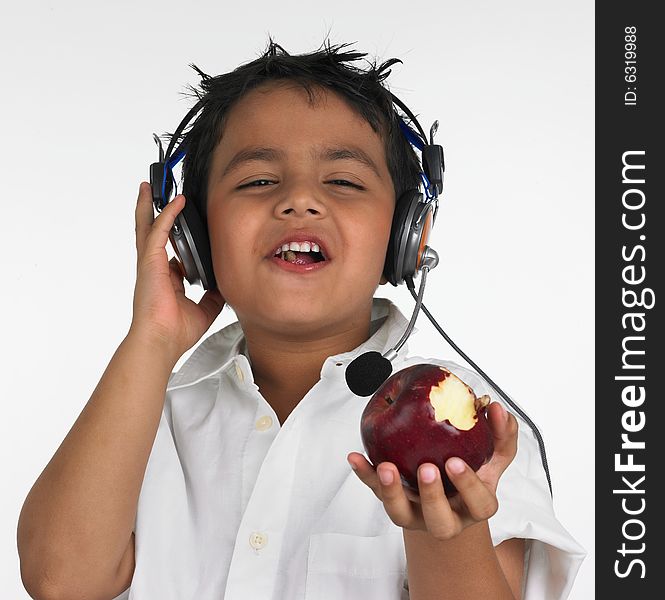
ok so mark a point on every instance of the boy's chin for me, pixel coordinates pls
(294, 320)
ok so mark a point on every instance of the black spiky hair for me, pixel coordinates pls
(331, 67)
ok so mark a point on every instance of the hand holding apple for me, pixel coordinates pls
(425, 413)
(421, 503)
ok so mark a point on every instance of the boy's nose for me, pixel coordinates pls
(300, 200)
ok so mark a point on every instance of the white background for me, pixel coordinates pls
(84, 86)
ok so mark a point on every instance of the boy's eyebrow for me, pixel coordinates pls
(249, 154)
(274, 154)
(350, 153)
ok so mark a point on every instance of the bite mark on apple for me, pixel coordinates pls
(455, 402)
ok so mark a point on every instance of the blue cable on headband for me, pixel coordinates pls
(415, 140)
(428, 187)
(410, 135)
(169, 164)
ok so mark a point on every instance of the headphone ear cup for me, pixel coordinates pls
(190, 239)
(401, 209)
(421, 224)
(399, 262)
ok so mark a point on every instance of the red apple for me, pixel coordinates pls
(425, 413)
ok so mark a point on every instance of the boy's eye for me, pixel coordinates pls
(256, 183)
(346, 183)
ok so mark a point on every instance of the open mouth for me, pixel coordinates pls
(304, 253)
(301, 258)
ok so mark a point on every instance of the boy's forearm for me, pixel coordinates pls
(463, 567)
(77, 520)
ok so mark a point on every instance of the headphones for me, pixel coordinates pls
(413, 218)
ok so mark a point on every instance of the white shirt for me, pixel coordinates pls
(235, 506)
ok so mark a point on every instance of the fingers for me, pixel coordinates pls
(364, 470)
(143, 215)
(433, 512)
(479, 500)
(153, 233)
(395, 502)
(212, 301)
(177, 275)
(390, 491)
(442, 523)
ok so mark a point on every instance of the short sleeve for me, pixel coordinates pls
(125, 595)
(553, 557)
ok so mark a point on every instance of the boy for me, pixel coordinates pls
(228, 478)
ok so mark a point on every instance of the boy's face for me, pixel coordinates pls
(299, 186)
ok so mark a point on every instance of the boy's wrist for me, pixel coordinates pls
(162, 351)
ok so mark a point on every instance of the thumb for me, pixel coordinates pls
(504, 429)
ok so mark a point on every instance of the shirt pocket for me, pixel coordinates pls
(353, 567)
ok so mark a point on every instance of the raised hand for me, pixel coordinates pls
(162, 312)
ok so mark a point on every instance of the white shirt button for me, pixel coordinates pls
(241, 377)
(264, 423)
(258, 540)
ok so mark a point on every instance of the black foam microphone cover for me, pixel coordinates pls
(367, 372)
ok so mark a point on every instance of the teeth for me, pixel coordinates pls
(298, 247)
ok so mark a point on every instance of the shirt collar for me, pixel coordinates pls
(225, 347)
